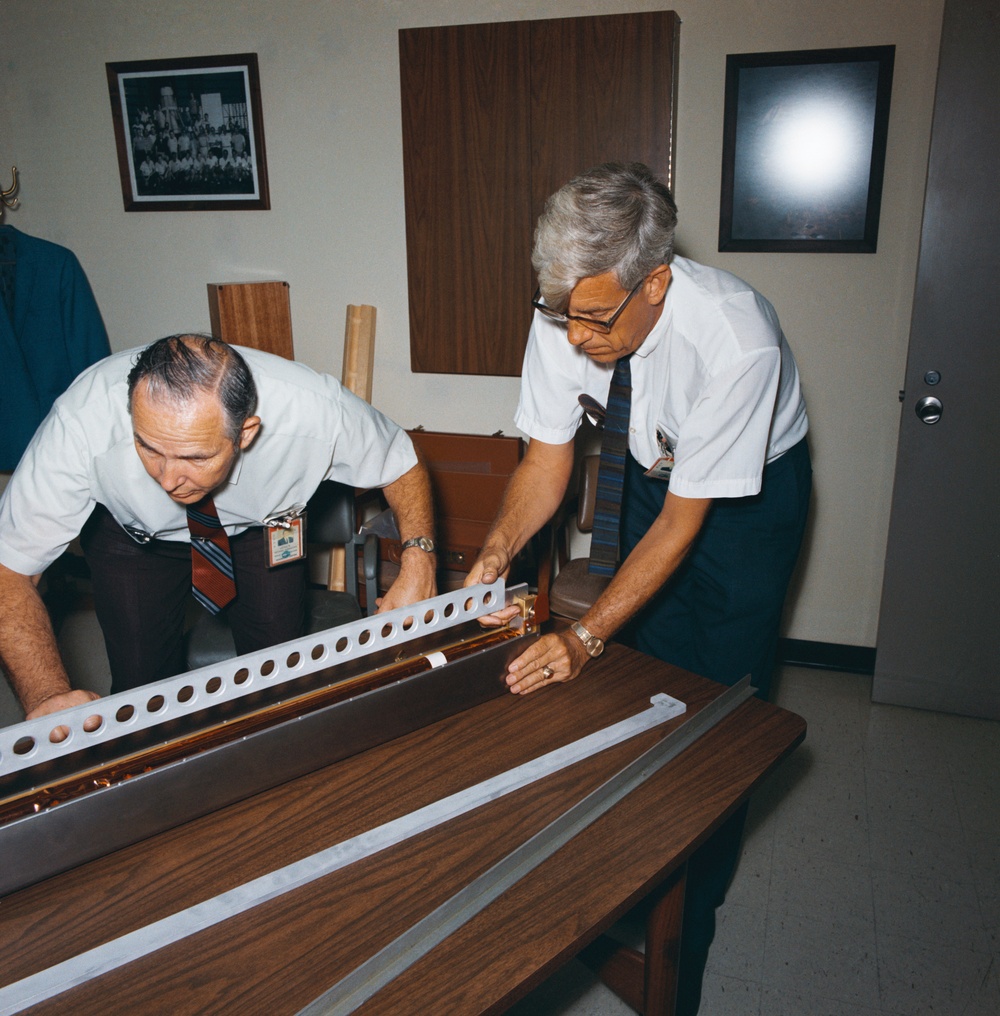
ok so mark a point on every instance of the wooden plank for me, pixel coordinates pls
(359, 350)
(255, 314)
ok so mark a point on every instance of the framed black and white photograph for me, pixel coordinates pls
(190, 133)
(803, 153)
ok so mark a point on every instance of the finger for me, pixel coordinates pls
(528, 674)
(57, 734)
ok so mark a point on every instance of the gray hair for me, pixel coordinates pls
(179, 365)
(612, 218)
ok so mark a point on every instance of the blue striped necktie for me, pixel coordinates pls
(212, 581)
(611, 473)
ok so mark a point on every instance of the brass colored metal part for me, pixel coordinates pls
(526, 602)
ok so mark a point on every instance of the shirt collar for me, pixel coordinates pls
(659, 330)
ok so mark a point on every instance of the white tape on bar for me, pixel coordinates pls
(59, 978)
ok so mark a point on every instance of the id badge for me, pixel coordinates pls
(286, 541)
(664, 465)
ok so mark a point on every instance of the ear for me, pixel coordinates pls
(251, 427)
(657, 283)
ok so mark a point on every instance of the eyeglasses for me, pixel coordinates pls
(597, 326)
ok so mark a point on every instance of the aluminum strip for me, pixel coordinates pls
(27, 744)
(374, 974)
(61, 977)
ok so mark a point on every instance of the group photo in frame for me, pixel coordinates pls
(189, 133)
(804, 141)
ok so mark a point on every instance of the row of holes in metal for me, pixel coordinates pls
(187, 696)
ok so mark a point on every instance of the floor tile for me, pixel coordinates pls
(805, 885)
(803, 1002)
(825, 813)
(835, 960)
(738, 948)
(917, 979)
(730, 996)
(927, 910)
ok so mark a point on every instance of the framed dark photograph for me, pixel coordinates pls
(804, 149)
(190, 134)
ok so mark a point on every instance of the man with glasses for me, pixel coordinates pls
(713, 468)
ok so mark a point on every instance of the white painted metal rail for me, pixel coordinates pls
(27, 744)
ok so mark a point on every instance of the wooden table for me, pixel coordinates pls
(285, 953)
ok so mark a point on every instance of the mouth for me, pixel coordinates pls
(185, 497)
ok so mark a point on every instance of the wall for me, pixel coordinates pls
(335, 232)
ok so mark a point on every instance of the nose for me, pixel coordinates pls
(171, 475)
(577, 332)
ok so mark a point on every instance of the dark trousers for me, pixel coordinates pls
(718, 616)
(141, 596)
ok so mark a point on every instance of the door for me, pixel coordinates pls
(939, 626)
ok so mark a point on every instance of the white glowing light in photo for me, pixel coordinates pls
(817, 148)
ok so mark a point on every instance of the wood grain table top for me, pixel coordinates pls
(285, 953)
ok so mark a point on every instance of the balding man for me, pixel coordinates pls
(149, 445)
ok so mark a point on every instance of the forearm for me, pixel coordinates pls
(409, 497)
(411, 502)
(28, 648)
(560, 656)
(650, 565)
(534, 494)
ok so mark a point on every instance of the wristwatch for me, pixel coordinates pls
(591, 643)
(423, 542)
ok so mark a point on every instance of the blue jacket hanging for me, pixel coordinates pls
(50, 330)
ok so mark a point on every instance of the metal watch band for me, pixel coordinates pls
(591, 643)
(423, 542)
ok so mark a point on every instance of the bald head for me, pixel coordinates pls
(186, 367)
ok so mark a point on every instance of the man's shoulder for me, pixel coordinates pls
(715, 309)
(269, 367)
(709, 283)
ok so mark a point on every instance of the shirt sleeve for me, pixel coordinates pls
(48, 499)
(369, 449)
(722, 444)
(553, 377)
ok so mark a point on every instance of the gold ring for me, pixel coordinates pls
(547, 672)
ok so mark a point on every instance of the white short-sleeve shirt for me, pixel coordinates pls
(83, 454)
(715, 381)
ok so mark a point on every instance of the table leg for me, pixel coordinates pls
(647, 982)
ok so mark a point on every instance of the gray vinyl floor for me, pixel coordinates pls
(870, 879)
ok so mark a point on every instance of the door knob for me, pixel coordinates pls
(929, 409)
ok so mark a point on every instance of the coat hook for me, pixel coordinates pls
(7, 196)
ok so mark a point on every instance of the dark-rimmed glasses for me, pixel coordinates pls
(596, 326)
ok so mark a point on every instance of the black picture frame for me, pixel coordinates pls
(803, 152)
(189, 133)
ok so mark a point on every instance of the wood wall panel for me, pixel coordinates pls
(466, 152)
(495, 118)
(602, 90)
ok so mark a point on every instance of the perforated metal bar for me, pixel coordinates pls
(27, 744)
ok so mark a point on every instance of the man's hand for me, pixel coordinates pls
(493, 563)
(65, 700)
(551, 660)
(416, 581)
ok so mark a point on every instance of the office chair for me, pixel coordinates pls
(574, 589)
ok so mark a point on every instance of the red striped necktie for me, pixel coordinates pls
(611, 473)
(212, 581)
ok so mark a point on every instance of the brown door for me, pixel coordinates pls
(939, 626)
